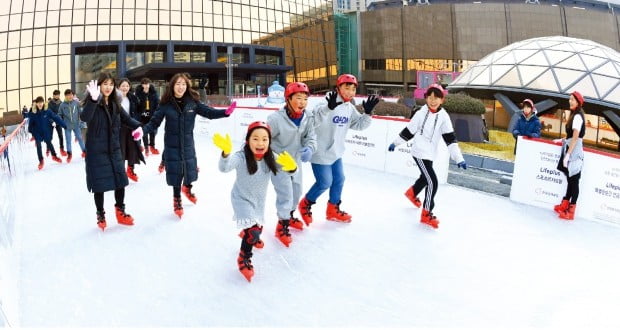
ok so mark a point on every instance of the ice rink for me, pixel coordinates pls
(492, 263)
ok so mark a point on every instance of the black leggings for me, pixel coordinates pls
(119, 197)
(572, 189)
(427, 179)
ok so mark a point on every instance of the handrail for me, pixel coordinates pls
(11, 136)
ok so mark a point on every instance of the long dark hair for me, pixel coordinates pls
(249, 155)
(113, 99)
(569, 123)
(169, 92)
(121, 81)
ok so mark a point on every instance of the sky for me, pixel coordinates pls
(492, 263)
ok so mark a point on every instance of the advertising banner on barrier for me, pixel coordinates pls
(243, 118)
(401, 162)
(367, 148)
(599, 191)
(536, 180)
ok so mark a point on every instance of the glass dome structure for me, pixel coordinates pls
(550, 66)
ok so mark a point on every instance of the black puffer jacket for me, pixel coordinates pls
(105, 168)
(180, 154)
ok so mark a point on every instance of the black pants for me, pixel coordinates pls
(60, 136)
(149, 140)
(50, 147)
(119, 197)
(428, 180)
(572, 189)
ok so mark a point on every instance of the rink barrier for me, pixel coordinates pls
(366, 148)
(12, 167)
(536, 180)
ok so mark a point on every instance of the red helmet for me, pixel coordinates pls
(346, 78)
(258, 124)
(531, 104)
(296, 87)
(578, 97)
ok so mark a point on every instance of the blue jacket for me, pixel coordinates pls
(105, 166)
(39, 124)
(179, 152)
(527, 126)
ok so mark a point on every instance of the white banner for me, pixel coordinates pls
(536, 180)
(367, 148)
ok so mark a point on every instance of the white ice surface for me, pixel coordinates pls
(492, 263)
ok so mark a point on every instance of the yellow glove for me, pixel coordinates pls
(224, 143)
(286, 161)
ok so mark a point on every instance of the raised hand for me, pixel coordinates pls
(370, 104)
(224, 143)
(331, 98)
(231, 108)
(93, 90)
(286, 161)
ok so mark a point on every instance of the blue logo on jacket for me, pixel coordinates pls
(340, 120)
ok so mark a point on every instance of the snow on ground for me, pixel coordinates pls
(492, 263)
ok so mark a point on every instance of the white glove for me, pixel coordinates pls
(93, 90)
(566, 157)
(137, 133)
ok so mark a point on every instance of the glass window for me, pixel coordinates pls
(15, 22)
(217, 21)
(218, 35)
(175, 17)
(152, 16)
(128, 16)
(175, 32)
(163, 4)
(4, 23)
(39, 19)
(27, 20)
(77, 33)
(16, 6)
(207, 20)
(197, 34)
(140, 16)
(65, 17)
(228, 36)
(207, 34)
(116, 32)
(186, 5)
(174, 5)
(12, 68)
(129, 4)
(12, 54)
(226, 8)
(164, 32)
(186, 33)
(197, 19)
(141, 4)
(104, 4)
(52, 17)
(51, 49)
(38, 51)
(64, 49)
(51, 69)
(91, 16)
(78, 17)
(103, 32)
(164, 17)
(66, 4)
(128, 32)
(13, 39)
(89, 66)
(116, 16)
(38, 67)
(89, 3)
(64, 34)
(197, 8)
(3, 40)
(140, 32)
(26, 38)
(90, 33)
(104, 16)
(181, 57)
(25, 73)
(3, 105)
(186, 18)
(12, 98)
(153, 4)
(217, 8)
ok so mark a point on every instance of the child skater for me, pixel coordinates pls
(427, 128)
(39, 125)
(331, 122)
(130, 149)
(254, 164)
(571, 157)
(179, 106)
(105, 167)
(291, 131)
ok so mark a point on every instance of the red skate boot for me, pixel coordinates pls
(295, 223)
(63, 152)
(333, 213)
(428, 218)
(131, 174)
(561, 207)
(282, 232)
(101, 220)
(253, 231)
(121, 217)
(304, 210)
(178, 206)
(154, 150)
(187, 191)
(56, 159)
(569, 213)
(412, 197)
(41, 164)
(245, 265)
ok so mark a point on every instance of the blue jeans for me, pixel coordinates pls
(78, 134)
(327, 177)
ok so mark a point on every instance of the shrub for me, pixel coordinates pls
(460, 103)
(389, 109)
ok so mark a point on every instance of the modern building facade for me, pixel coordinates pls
(60, 44)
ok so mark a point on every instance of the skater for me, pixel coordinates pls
(571, 157)
(130, 148)
(430, 125)
(331, 122)
(179, 106)
(254, 164)
(39, 126)
(70, 112)
(105, 168)
(528, 124)
(291, 131)
(54, 106)
(147, 105)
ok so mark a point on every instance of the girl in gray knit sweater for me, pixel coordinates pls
(255, 164)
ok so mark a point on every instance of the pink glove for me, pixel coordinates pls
(231, 108)
(137, 133)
